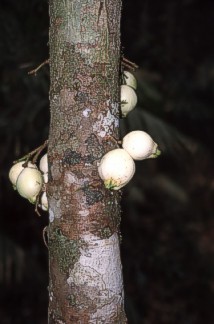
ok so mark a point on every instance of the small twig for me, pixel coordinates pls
(37, 205)
(128, 66)
(36, 151)
(34, 71)
(39, 150)
(124, 61)
(44, 234)
(129, 63)
(112, 139)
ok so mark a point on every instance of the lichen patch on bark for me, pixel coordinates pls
(91, 272)
(64, 250)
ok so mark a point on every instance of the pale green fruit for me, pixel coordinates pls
(128, 99)
(44, 201)
(116, 169)
(43, 164)
(45, 177)
(29, 183)
(130, 80)
(16, 170)
(140, 145)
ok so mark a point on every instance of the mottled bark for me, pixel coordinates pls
(84, 258)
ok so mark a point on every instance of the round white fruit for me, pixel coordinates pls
(44, 201)
(45, 177)
(17, 169)
(43, 164)
(130, 80)
(116, 169)
(29, 183)
(140, 145)
(128, 99)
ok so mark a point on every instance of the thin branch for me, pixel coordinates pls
(34, 71)
(39, 150)
(124, 61)
(36, 151)
(129, 64)
(37, 205)
(113, 139)
(44, 235)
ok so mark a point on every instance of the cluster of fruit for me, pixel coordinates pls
(117, 166)
(128, 97)
(30, 181)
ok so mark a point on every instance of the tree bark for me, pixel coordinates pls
(84, 258)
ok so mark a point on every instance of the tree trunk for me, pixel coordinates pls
(84, 258)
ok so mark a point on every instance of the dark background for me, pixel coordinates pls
(167, 221)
